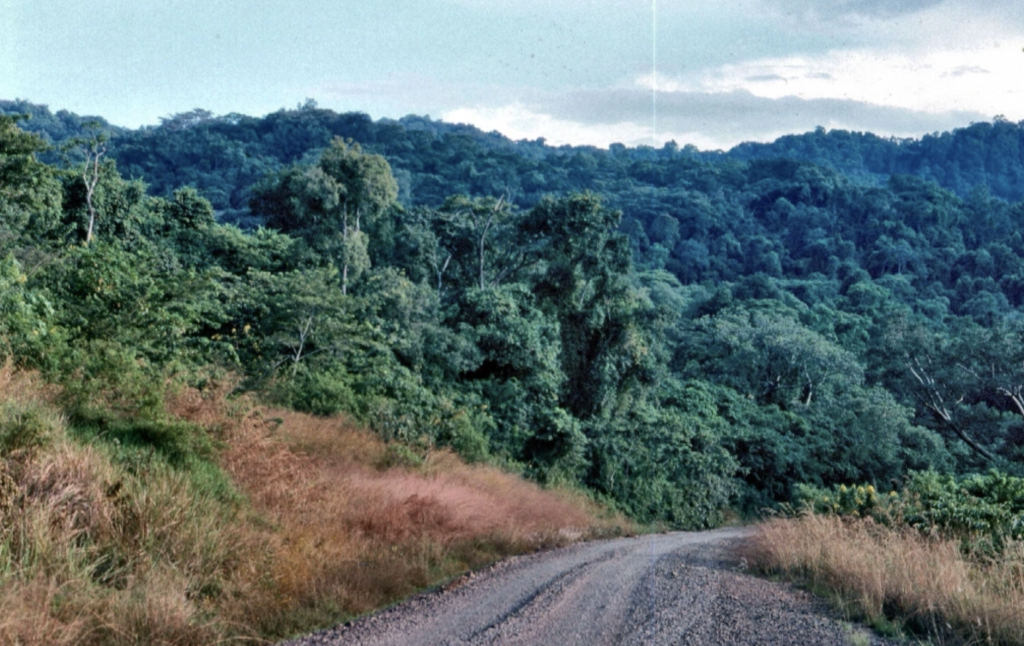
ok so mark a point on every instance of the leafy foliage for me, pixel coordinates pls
(982, 511)
(678, 331)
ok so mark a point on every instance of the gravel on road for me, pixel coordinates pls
(683, 588)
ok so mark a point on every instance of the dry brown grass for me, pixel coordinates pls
(351, 535)
(95, 550)
(21, 385)
(897, 577)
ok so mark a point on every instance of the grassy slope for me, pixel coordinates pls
(102, 543)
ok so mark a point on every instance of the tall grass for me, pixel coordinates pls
(111, 538)
(92, 552)
(356, 529)
(898, 578)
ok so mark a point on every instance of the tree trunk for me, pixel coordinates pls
(91, 179)
(344, 250)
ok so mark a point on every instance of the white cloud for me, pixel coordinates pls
(599, 117)
(516, 121)
(987, 80)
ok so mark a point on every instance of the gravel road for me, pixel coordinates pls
(679, 588)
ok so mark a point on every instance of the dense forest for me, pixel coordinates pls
(677, 331)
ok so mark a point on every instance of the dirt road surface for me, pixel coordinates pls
(680, 588)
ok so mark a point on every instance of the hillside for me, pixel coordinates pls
(204, 519)
(686, 323)
(986, 156)
(685, 336)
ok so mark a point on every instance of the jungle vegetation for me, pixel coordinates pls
(679, 332)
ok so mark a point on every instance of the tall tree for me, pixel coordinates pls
(30, 196)
(468, 226)
(584, 282)
(91, 149)
(329, 203)
(366, 189)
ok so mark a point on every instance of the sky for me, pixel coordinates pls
(711, 73)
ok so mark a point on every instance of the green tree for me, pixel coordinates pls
(366, 189)
(467, 228)
(970, 381)
(26, 318)
(664, 457)
(108, 295)
(931, 374)
(288, 317)
(30, 195)
(518, 373)
(328, 204)
(189, 210)
(583, 281)
(91, 150)
(119, 211)
(773, 358)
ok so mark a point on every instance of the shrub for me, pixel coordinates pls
(982, 511)
(854, 500)
(25, 427)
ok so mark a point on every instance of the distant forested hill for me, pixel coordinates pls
(223, 156)
(982, 155)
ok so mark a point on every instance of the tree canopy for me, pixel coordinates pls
(677, 331)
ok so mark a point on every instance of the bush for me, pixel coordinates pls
(982, 511)
(855, 500)
(25, 426)
(325, 393)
